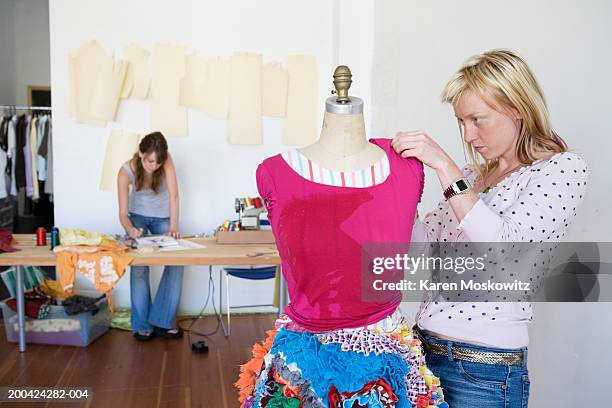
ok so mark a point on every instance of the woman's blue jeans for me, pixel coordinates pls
(162, 312)
(467, 384)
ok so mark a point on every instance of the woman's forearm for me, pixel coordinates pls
(174, 213)
(124, 219)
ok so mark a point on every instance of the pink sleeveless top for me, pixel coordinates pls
(320, 229)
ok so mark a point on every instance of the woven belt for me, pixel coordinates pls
(475, 356)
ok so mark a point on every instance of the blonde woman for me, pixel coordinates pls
(523, 185)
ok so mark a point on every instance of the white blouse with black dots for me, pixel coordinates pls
(536, 203)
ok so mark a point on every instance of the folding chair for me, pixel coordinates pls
(251, 273)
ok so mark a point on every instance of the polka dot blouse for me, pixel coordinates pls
(536, 203)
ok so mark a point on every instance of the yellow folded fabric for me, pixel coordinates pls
(53, 288)
(73, 236)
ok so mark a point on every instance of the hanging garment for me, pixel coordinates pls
(4, 129)
(4, 132)
(102, 265)
(41, 165)
(33, 160)
(25, 136)
(49, 157)
(10, 170)
(20, 142)
(28, 158)
(6, 213)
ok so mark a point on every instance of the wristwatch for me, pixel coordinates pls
(457, 187)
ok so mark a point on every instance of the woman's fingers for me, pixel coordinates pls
(410, 153)
(402, 145)
(420, 145)
(409, 137)
(174, 234)
(409, 149)
(412, 134)
(135, 232)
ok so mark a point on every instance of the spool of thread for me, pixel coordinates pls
(54, 237)
(257, 202)
(41, 236)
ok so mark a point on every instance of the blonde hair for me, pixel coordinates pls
(504, 81)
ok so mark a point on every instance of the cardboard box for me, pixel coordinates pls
(245, 237)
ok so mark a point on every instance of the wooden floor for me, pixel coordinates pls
(125, 373)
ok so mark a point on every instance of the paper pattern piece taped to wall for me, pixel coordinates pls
(274, 81)
(120, 147)
(108, 89)
(193, 84)
(136, 85)
(299, 126)
(86, 63)
(245, 99)
(167, 116)
(216, 97)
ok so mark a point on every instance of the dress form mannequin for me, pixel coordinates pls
(321, 223)
(343, 145)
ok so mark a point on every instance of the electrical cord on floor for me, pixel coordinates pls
(189, 330)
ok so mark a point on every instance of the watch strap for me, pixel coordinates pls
(451, 191)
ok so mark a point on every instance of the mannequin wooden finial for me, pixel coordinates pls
(342, 83)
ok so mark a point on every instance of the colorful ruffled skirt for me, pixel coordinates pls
(380, 366)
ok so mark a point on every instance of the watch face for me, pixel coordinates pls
(462, 185)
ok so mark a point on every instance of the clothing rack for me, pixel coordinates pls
(16, 107)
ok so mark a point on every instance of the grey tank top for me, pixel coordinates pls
(146, 202)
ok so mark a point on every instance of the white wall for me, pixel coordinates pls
(32, 60)
(419, 45)
(7, 52)
(354, 35)
(24, 49)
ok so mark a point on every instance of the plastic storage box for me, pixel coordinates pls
(58, 327)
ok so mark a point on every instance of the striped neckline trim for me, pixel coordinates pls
(377, 173)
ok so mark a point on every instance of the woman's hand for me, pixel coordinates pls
(135, 232)
(418, 144)
(174, 234)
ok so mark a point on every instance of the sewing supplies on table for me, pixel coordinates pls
(249, 210)
(41, 236)
(55, 241)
